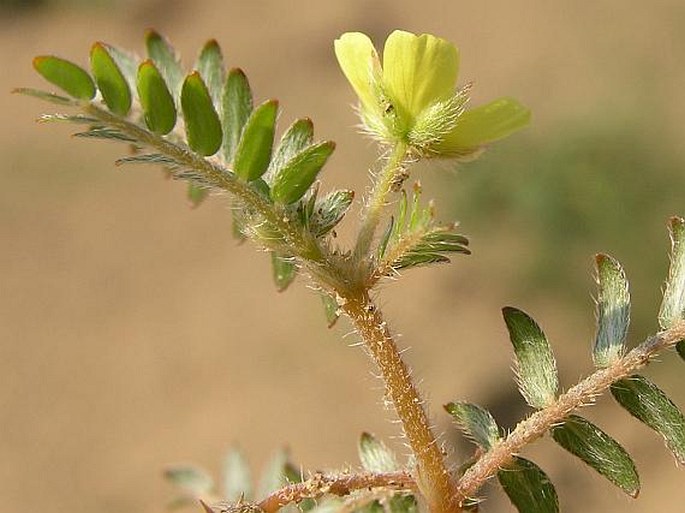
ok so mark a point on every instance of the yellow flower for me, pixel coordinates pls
(413, 98)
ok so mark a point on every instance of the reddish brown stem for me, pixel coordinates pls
(433, 478)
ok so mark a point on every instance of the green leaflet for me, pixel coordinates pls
(158, 105)
(298, 136)
(331, 309)
(528, 487)
(647, 403)
(475, 422)
(673, 304)
(536, 367)
(210, 64)
(196, 194)
(110, 80)
(203, 127)
(71, 78)
(253, 154)
(191, 480)
(329, 211)
(160, 51)
(293, 180)
(236, 109)
(284, 270)
(613, 311)
(375, 456)
(237, 480)
(601, 452)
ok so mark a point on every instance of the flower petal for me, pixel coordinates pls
(359, 62)
(418, 71)
(484, 124)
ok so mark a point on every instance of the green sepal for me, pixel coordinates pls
(203, 126)
(158, 105)
(375, 455)
(296, 138)
(535, 366)
(329, 211)
(236, 109)
(110, 80)
(284, 270)
(237, 479)
(613, 311)
(293, 180)
(647, 403)
(253, 154)
(528, 487)
(475, 422)
(673, 304)
(160, 51)
(210, 64)
(196, 194)
(191, 480)
(71, 78)
(680, 348)
(600, 451)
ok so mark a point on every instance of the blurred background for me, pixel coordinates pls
(135, 332)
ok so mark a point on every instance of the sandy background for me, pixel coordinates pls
(135, 333)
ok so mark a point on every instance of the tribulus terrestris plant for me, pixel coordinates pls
(205, 128)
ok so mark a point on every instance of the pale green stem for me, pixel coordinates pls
(384, 185)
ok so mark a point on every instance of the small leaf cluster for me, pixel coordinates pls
(526, 484)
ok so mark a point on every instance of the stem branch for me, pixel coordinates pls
(579, 395)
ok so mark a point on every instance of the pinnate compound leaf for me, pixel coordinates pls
(71, 78)
(284, 270)
(191, 480)
(600, 451)
(535, 365)
(296, 138)
(673, 304)
(253, 153)
(293, 180)
(329, 211)
(160, 51)
(158, 105)
(203, 127)
(613, 311)
(646, 402)
(375, 455)
(236, 109)
(237, 478)
(110, 80)
(210, 64)
(475, 422)
(528, 487)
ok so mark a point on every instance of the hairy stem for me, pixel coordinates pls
(340, 485)
(433, 480)
(299, 243)
(581, 394)
(388, 179)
